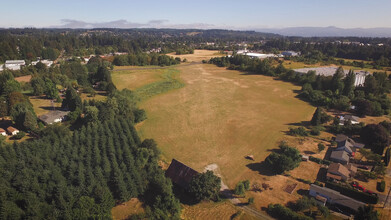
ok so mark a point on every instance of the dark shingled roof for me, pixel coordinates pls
(180, 174)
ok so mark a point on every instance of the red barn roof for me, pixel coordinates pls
(180, 174)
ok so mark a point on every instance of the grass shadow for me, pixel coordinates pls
(309, 152)
(321, 176)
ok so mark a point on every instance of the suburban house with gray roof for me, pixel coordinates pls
(346, 146)
(349, 118)
(340, 157)
(343, 140)
(338, 171)
(335, 198)
(53, 117)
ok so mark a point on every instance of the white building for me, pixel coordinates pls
(14, 64)
(48, 63)
(3, 132)
(330, 71)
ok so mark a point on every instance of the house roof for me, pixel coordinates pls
(352, 168)
(2, 130)
(180, 174)
(50, 117)
(359, 145)
(11, 129)
(333, 176)
(340, 155)
(338, 169)
(351, 118)
(341, 137)
(346, 146)
(15, 62)
(336, 197)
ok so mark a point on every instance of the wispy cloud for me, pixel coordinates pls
(162, 23)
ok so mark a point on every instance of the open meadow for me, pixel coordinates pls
(219, 116)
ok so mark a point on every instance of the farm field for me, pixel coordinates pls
(42, 105)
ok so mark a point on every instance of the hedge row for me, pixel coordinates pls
(279, 211)
(319, 161)
(355, 194)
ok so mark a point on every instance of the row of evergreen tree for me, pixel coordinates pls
(83, 174)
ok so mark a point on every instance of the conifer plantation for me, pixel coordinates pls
(83, 174)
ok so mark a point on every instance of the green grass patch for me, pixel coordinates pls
(170, 81)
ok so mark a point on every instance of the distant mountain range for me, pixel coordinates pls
(329, 32)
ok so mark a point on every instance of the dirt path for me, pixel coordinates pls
(229, 195)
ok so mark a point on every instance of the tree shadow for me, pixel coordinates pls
(50, 108)
(262, 168)
(321, 176)
(328, 153)
(302, 123)
(303, 192)
(308, 152)
(183, 196)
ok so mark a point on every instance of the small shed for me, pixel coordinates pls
(305, 157)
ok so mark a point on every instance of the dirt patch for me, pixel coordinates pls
(126, 209)
(23, 78)
(198, 55)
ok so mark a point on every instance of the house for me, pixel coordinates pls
(346, 146)
(14, 64)
(338, 171)
(3, 132)
(335, 198)
(180, 174)
(340, 157)
(345, 118)
(305, 157)
(12, 130)
(340, 139)
(53, 117)
(290, 54)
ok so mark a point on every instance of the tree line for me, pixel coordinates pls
(337, 91)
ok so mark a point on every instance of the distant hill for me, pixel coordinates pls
(329, 32)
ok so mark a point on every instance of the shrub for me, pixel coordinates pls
(279, 211)
(239, 189)
(321, 147)
(381, 186)
(300, 131)
(20, 135)
(287, 159)
(246, 184)
(250, 200)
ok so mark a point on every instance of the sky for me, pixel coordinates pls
(228, 14)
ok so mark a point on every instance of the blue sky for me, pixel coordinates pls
(239, 14)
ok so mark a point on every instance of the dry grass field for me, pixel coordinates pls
(198, 55)
(124, 210)
(219, 116)
(42, 105)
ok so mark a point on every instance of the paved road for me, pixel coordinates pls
(229, 195)
(158, 67)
